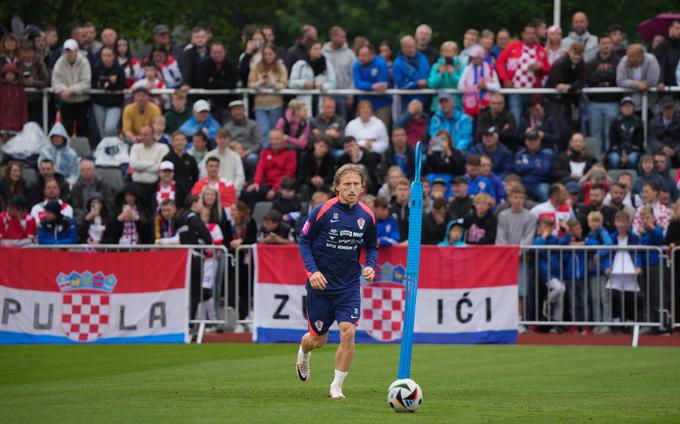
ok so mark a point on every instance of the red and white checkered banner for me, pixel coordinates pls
(465, 295)
(50, 296)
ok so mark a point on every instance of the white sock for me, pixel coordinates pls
(303, 356)
(339, 378)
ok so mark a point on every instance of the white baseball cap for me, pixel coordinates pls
(201, 106)
(166, 165)
(71, 45)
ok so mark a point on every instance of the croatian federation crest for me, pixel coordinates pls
(361, 222)
(382, 304)
(86, 304)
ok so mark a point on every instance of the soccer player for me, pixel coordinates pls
(330, 245)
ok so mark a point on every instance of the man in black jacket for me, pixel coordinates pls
(218, 72)
(298, 51)
(359, 156)
(399, 153)
(626, 137)
(194, 52)
(316, 168)
(568, 76)
(498, 117)
(664, 130)
(461, 204)
(86, 185)
(435, 223)
(602, 108)
(668, 55)
(185, 167)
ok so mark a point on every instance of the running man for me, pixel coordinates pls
(330, 245)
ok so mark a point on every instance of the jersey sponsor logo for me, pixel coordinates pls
(345, 233)
(361, 222)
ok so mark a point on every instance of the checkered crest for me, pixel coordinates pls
(84, 317)
(382, 310)
(86, 304)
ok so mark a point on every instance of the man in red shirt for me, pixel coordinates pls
(523, 64)
(17, 227)
(224, 187)
(274, 164)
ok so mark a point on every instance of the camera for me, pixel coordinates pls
(448, 61)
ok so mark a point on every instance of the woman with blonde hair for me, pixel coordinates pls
(268, 74)
(295, 126)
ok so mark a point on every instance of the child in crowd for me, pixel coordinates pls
(158, 126)
(287, 201)
(388, 228)
(165, 223)
(575, 270)
(623, 271)
(455, 234)
(179, 113)
(651, 234)
(477, 183)
(597, 262)
(549, 270)
(152, 80)
(199, 146)
(394, 174)
(95, 225)
(399, 207)
(481, 226)
(274, 230)
(17, 227)
(647, 174)
(132, 223)
(206, 308)
(650, 197)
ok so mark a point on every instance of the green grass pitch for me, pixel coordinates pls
(257, 383)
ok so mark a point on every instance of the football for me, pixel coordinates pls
(404, 395)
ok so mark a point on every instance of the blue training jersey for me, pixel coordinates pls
(331, 239)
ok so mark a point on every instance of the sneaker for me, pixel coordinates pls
(522, 329)
(303, 368)
(336, 392)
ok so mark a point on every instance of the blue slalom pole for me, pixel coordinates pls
(412, 267)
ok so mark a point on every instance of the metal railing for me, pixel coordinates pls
(208, 269)
(570, 286)
(246, 92)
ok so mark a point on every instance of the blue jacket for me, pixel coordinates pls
(534, 168)
(58, 232)
(599, 238)
(367, 75)
(459, 126)
(654, 238)
(498, 187)
(331, 240)
(191, 127)
(480, 185)
(548, 261)
(501, 158)
(406, 73)
(574, 261)
(65, 159)
(388, 232)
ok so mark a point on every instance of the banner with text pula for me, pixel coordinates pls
(465, 295)
(51, 296)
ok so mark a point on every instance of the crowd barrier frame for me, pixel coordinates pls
(246, 92)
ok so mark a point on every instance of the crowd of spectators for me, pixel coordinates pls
(517, 169)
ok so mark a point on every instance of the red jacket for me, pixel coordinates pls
(13, 100)
(273, 166)
(508, 63)
(15, 231)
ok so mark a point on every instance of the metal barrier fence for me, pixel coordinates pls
(675, 286)
(209, 280)
(397, 93)
(583, 299)
(596, 286)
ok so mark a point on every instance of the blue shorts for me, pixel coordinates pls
(323, 309)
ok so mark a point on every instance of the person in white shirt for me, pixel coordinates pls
(51, 191)
(369, 131)
(231, 165)
(145, 161)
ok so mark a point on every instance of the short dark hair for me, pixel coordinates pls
(212, 159)
(438, 203)
(554, 188)
(473, 160)
(380, 202)
(287, 183)
(603, 35)
(273, 216)
(166, 202)
(654, 186)
(614, 27)
(597, 187)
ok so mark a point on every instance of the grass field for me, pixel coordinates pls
(257, 383)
